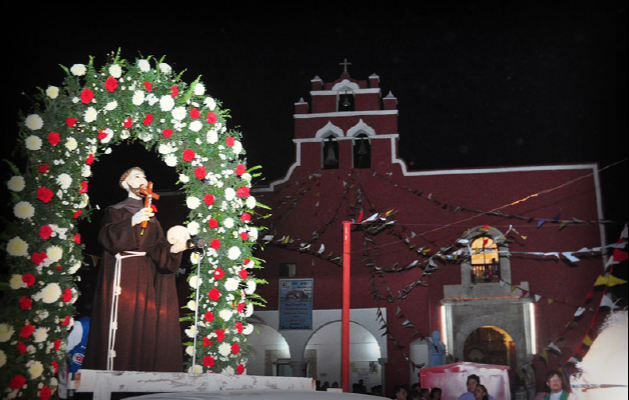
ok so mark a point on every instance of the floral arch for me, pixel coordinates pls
(69, 127)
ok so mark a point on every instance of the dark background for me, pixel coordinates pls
(478, 83)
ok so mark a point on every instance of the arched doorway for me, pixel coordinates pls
(490, 345)
(269, 352)
(323, 355)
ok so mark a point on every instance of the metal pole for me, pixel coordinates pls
(346, 306)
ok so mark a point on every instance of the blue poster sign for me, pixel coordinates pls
(295, 303)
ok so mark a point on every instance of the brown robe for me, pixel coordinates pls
(148, 336)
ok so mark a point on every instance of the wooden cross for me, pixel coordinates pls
(345, 64)
(149, 195)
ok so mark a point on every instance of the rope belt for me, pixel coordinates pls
(113, 318)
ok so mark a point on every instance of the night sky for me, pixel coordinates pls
(478, 83)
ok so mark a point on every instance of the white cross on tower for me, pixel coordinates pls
(345, 64)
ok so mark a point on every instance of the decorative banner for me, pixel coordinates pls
(296, 303)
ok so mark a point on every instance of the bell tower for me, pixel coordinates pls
(347, 124)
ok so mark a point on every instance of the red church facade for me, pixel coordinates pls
(500, 262)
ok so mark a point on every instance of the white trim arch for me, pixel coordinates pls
(329, 129)
(360, 127)
(345, 85)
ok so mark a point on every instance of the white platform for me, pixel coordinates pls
(103, 383)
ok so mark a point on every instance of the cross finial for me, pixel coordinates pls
(345, 63)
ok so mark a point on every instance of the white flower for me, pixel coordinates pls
(211, 137)
(171, 160)
(199, 89)
(17, 247)
(247, 329)
(115, 71)
(210, 103)
(230, 194)
(16, 282)
(225, 315)
(195, 369)
(179, 113)
(54, 253)
(112, 105)
(194, 257)
(193, 228)
(190, 350)
(165, 68)
(191, 332)
(6, 331)
(3, 358)
(35, 369)
(195, 126)
(24, 210)
(248, 310)
(52, 92)
(193, 202)
(86, 171)
(231, 284)
(78, 69)
(71, 144)
(144, 65)
(16, 183)
(237, 147)
(251, 287)
(165, 148)
(49, 294)
(90, 114)
(33, 143)
(224, 349)
(74, 268)
(233, 253)
(228, 370)
(192, 305)
(194, 282)
(40, 335)
(184, 178)
(138, 97)
(64, 180)
(228, 223)
(251, 202)
(166, 103)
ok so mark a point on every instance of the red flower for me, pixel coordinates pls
(17, 382)
(188, 155)
(240, 369)
(83, 188)
(53, 138)
(21, 347)
(65, 321)
(211, 118)
(39, 257)
(55, 365)
(220, 334)
(235, 348)
(148, 86)
(57, 344)
(86, 96)
(245, 217)
(244, 274)
(111, 84)
(208, 361)
(127, 123)
(44, 194)
(90, 159)
(101, 134)
(215, 244)
(174, 91)
(214, 294)
(240, 169)
(29, 279)
(70, 122)
(46, 391)
(26, 303)
(229, 141)
(67, 295)
(167, 133)
(200, 173)
(240, 307)
(148, 119)
(77, 239)
(238, 326)
(242, 192)
(218, 273)
(42, 169)
(27, 330)
(206, 341)
(45, 232)
(209, 317)
(208, 199)
(77, 214)
(212, 223)
(194, 113)
(244, 235)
